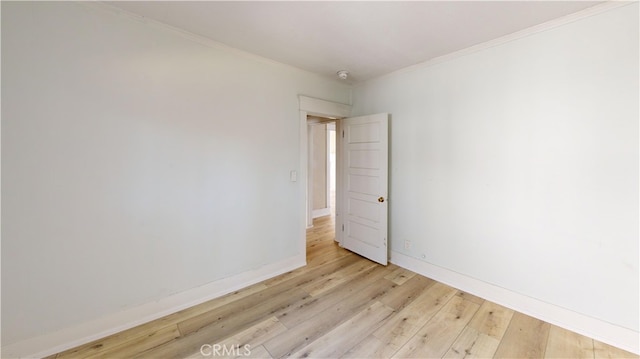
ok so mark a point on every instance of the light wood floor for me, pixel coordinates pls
(342, 305)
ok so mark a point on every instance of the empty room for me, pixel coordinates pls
(357, 179)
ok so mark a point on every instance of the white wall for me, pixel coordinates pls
(518, 165)
(137, 163)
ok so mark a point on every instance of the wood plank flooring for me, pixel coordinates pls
(344, 306)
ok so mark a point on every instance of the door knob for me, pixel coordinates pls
(381, 199)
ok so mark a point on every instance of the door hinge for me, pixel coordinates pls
(343, 227)
(342, 133)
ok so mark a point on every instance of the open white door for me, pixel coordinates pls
(365, 183)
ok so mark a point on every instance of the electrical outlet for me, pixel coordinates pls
(407, 244)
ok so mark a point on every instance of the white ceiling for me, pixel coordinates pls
(368, 39)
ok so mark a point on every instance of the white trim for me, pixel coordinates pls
(322, 108)
(321, 212)
(588, 12)
(304, 182)
(328, 170)
(339, 185)
(600, 330)
(309, 175)
(89, 331)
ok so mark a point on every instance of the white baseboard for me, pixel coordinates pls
(86, 332)
(600, 330)
(320, 212)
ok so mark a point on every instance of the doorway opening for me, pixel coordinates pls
(316, 111)
(321, 178)
(361, 206)
(322, 169)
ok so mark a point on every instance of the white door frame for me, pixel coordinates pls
(317, 107)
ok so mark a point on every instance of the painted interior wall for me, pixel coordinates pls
(518, 164)
(137, 163)
(319, 165)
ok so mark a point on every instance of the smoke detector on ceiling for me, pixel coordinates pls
(343, 74)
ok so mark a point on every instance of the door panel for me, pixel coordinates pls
(363, 184)
(364, 159)
(365, 170)
(363, 209)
